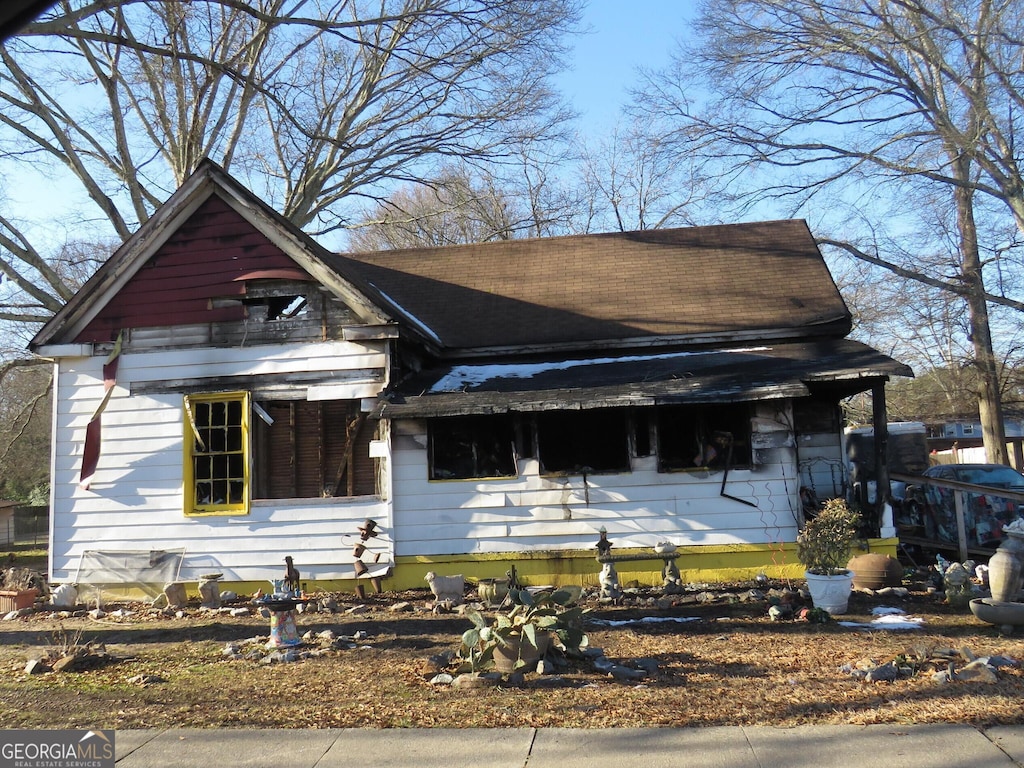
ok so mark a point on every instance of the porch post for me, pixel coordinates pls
(883, 506)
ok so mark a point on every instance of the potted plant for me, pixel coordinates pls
(823, 547)
(521, 637)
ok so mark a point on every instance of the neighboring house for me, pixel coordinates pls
(961, 441)
(7, 524)
(256, 396)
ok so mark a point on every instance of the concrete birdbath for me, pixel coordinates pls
(1006, 616)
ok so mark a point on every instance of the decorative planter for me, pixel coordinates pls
(1006, 569)
(519, 655)
(492, 591)
(875, 571)
(830, 593)
(16, 599)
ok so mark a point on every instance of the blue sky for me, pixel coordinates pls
(626, 34)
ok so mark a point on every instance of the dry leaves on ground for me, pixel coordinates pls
(731, 665)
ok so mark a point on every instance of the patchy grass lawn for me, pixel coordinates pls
(730, 666)
(25, 555)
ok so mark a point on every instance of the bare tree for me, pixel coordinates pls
(315, 104)
(640, 181)
(825, 102)
(449, 211)
(24, 431)
(463, 206)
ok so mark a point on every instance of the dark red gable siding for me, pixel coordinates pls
(200, 262)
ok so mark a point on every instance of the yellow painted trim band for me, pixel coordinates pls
(711, 564)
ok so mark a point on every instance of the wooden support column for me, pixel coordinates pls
(881, 428)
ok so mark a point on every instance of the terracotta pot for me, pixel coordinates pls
(519, 655)
(874, 570)
(16, 599)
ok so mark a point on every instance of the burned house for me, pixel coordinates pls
(228, 389)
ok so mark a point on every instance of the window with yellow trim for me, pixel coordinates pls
(217, 454)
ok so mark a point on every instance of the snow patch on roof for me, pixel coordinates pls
(465, 376)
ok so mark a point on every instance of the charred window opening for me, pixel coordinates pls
(272, 300)
(305, 449)
(216, 469)
(703, 437)
(583, 442)
(271, 308)
(816, 415)
(465, 447)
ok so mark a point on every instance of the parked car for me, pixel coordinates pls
(930, 511)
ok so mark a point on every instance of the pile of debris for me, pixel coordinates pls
(69, 654)
(314, 645)
(944, 665)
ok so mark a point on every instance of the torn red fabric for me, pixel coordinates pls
(91, 454)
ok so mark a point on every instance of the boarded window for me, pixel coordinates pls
(703, 436)
(465, 447)
(312, 450)
(583, 442)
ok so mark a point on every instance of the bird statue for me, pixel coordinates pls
(291, 576)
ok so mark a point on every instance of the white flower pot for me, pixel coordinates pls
(830, 593)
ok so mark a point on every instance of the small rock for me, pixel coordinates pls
(625, 673)
(239, 612)
(360, 635)
(36, 667)
(977, 672)
(476, 680)
(893, 592)
(517, 680)
(330, 605)
(355, 610)
(650, 665)
(401, 607)
(442, 678)
(68, 663)
(228, 596)
(145, 680)
(883, 674)
(97, 613)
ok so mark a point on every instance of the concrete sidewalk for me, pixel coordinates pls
(842, 746)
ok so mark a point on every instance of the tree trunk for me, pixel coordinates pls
(989, 400)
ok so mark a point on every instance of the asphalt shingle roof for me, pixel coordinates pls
(702, 284)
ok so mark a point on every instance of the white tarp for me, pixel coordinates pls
(146, 570)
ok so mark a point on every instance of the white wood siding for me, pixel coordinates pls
(638, 509)
(134, 502)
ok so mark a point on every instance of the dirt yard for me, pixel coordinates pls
(719, 662)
